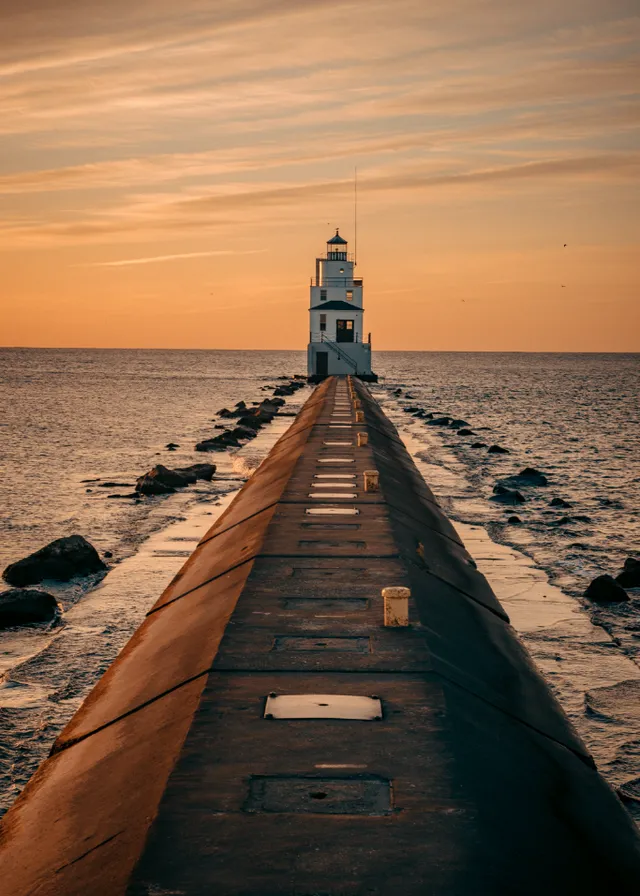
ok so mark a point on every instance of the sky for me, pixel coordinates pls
(170, 170)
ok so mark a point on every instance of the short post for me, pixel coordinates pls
(371, 480)
(363, 439)
(359, 416)
(396, 606)
(357, 403)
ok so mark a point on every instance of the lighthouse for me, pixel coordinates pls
(336, 339)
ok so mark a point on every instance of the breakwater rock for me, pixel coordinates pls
(630, 575)
(507, 495)
(61, 560)
(26, 607)
(605, 589)
(162, 481)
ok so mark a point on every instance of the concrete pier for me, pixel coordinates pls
(264, 731)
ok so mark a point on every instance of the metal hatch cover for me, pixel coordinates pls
(323, 706)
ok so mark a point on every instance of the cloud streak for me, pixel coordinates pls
(155, 259)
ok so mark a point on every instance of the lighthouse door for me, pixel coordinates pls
(344, 331)
(322, 363)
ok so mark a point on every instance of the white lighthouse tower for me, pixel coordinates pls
(336, 341)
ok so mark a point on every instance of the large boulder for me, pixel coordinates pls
(222, 442)
(197, 471)
(267, 411)
(559, 502)
(26, 607)
(243, 432)
(161, 481)
(465, 432)
(147, 485)
(527, 477)
(439, 421)
(458, 424)
(61, 560)
(250, 422)
(506, 495)
(630, 575)
(605, 589)
(497, 449)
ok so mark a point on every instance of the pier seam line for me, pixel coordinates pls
(229, 528)
(201, 585)
(55, 751)
(426, 525)
(331, 556)
(586, 758)
(503, 618)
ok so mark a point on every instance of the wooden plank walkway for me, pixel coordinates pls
(173, 779)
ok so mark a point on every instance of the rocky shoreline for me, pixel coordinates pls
(605, 588)
(73, 557)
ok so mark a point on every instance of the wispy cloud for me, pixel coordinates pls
(125, 262)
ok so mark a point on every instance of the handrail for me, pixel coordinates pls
(345, 357)
(316, 336)
(347, 282)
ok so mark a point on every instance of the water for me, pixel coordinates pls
(74, 415)
(574, 418)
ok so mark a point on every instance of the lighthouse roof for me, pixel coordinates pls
(336, 240)
(335, 305)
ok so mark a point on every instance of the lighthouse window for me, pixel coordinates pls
(342, 270)
(323, 321)
(349, 295)
(323, 295)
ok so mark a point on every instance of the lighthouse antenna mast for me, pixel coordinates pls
(355, 216)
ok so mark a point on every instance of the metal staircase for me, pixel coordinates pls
(343, 355)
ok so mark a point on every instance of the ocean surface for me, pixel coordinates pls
(73, 420)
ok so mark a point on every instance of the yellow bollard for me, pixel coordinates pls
(363, 439)
(371, 480)
(396, 606)
(357, 404)
(359, 416)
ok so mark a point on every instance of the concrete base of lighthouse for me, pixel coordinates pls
(329, 359)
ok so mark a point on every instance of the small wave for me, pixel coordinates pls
(247, 464)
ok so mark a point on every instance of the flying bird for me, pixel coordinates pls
(565, 245)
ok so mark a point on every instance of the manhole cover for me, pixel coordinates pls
(356, 795)
(336, 460)
(324, 495)
(335, 476)
(325, 525)
(322, 604)
(303, 643)
(323, 706)
(329, 511)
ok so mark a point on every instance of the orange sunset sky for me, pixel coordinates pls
(170, 170)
